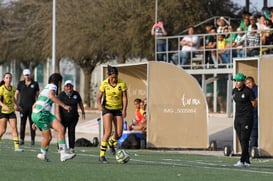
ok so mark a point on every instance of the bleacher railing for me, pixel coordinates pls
(197, 58)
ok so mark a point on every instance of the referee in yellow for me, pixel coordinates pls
(112, 101)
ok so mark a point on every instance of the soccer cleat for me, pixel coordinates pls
(102, 159)
(239, 164)
(18, 150)
(42, 156)
(112, 149)
(67, 156)
(32, 143)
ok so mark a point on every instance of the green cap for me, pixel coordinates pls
(239, 77)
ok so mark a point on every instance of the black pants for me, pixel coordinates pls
(24, 115)
(243, 130)
(70, 124)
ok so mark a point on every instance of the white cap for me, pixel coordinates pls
(26, 72)
(68, 82)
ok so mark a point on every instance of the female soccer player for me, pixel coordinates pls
(44, 120)
(9, 105)
(114, 108)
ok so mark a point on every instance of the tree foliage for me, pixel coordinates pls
(92, 32)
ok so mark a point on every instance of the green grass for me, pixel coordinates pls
(144, 165)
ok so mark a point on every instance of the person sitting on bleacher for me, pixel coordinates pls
(223, 52)
(190, 45)
(240, 42)
(253, 42)
(209, 44)
(245, 23)
(230, 39)
(253, 21)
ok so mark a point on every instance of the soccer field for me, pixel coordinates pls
(144, 165)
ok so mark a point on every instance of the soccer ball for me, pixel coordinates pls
(122, 156)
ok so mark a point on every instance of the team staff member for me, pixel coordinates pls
(114, 108)
(69, 119)
(245, 102)
(9, 105)
(250, 83)
(27, 93)
(44, 119)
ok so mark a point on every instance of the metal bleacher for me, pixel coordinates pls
(207, 73)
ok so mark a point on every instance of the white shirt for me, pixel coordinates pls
(194, 39)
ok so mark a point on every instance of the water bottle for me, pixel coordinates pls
(125, 125)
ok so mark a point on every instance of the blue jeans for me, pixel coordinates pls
(253, 142)
(225, 57)
(161, 47)
(241, 53)
(184, 57)
(253, 53)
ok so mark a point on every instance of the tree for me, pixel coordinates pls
(94, 32)
(25, 36)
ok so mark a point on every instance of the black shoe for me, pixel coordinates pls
(112, 149)
(102, 159)
(32, 143)
(21, 142)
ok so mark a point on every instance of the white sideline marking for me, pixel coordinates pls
(173, 162)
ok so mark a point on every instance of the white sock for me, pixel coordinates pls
(62, 148)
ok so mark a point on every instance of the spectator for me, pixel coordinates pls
(253, 21)
(263, 24)
(230, 39)
(223, 53)
(253, 42)
(221, 25)
(266, 12)
(26, 94)
(245, 23)
(190, 45)
(266, 33)
(210, 44)
(246, 15)
(69, 119)
(239, 42)
(9, 105)
(250, 83)
(158, 30)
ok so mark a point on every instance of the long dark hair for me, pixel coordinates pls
(2, 81)
(112, 70)
(55, 78)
